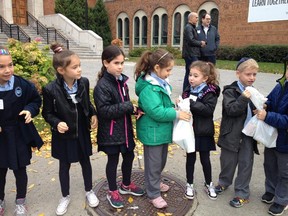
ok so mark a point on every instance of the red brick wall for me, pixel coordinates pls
(49, 7)
(233, 15)
(235, 30)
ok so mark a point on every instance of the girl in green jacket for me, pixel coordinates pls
(154, 128)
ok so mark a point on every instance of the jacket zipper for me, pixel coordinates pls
(112, 127)
(125, 119)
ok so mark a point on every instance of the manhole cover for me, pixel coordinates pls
(140, 206)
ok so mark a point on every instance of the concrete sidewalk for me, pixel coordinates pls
(44, 188)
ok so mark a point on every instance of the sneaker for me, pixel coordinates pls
(131, 189)
(115, 200)
(267, 198)
(92, 199)
(277, 209)
(189, 193)
(2, 207)
(210, 191)
(21, 209)
(219, 189)
(63, 205)
(238, 202)
(164, 187)
(159, 202)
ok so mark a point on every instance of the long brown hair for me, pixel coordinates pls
(108, 54)
(207, 69)
(149, 59)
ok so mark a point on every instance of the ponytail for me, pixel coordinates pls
(149, 59)
(207, 69)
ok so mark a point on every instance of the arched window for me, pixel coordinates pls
(155, 40)
(214, 17)
(180, 19)
(140, 29)
(201, 13)
(159, 27)
(136, 31)
(126, 32)
(144, 30)
(120, 29)
(164, 32)
(186, 14)
(211, 8)
(123, 30)
(177, 28)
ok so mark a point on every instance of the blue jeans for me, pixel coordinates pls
(188, 62)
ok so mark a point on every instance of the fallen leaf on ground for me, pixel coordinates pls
(31, 186)
(130, 199)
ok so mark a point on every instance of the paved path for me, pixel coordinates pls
(44, 189)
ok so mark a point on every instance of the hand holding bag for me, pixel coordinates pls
(183, 133)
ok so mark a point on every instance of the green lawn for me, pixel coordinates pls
(266, 67)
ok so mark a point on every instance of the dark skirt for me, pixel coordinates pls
(203, 143)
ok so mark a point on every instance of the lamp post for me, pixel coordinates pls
(86, 14)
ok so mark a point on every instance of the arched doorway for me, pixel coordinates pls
(19, 11)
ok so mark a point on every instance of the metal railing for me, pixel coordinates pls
(49, 34)
(13, 31)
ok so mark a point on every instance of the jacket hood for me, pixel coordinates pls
(143, 81)
(234, 85)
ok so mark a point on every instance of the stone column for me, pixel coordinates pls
(6, 10)
(35, 7)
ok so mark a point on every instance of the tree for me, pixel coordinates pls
(98, 20)
(101, 22)
(73, 10)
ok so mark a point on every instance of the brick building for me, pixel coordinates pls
(146, 23)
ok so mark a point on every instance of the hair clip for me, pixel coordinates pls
(58, 50)
(4, 52)
(162, 57)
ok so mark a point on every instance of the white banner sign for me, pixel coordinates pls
(267, 10)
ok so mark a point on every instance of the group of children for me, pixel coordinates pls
(71, 115)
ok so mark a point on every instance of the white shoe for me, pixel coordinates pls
(189, 194)
(92, 199)
(20, 209)
(63, 205)
(210, 190)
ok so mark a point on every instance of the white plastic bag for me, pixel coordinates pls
(183, 133)
(266, 134)
(258, 129)
(256, 97)
(250, 127)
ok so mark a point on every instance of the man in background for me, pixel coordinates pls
(208, 33)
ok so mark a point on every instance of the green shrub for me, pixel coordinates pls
(137, 52)
(261, 53)
(31, 62)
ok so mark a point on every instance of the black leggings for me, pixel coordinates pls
(206, 166)
(64, 168)
(21, 182)
(111, 169)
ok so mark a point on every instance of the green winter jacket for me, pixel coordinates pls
(156, 125)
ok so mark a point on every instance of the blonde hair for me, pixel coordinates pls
(248, 64)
